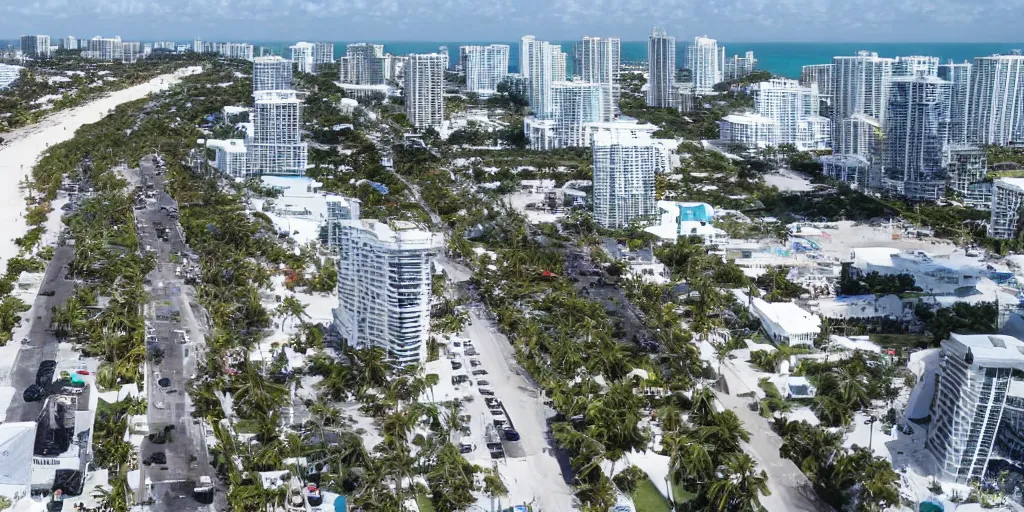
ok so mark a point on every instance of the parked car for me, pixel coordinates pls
(511, 435)
(456, 365)
(472, 352)
(482, 383)
(33, 393)
(485, 392)
(479, 372)
(474, 362)
(44, 375)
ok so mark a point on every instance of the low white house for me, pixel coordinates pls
(785, 322)
(934, 275)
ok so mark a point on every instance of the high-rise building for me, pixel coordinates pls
(573, 105)
(424, 90)
(276, 146)
(1007, 198)
(914, 65)
(243, 51)
(308, 57)
(996, 99)
(541, 64)
(959, 78)
(966, 168)
(704, 59)
(104, 48)
(625, 162)
(130, 51)
(384, 286)
(272, 73)
(598, 62)
(68, 43)
(976, 372)
(737, 67)
(443, 51)
(363, 64)
(661, 69)
(485, 67)
(9, 74)
(792, 109)
(232, 157)
(37, 47)
(859, 86)
(916, 128)
(821, 75)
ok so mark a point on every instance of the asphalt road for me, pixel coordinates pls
(42, 343)
(170, 315)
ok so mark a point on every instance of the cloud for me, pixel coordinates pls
(503, 20)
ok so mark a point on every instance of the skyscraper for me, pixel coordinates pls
(276, 146)
(916, 128)
(363, 64)
(737, 67)
(424, 89)
(541, 63)
(996, 103)
(573, 105)
(37, 47)
(704, 59)
(104, 48)
(625, 161)
(913, 65)
(271, 74)
(384, 292)
(959, 78)
(820, 74)
(68, 43)
(661, 69)
(302, 56)
(485, 67)
(976, 372)
(785, 113)
(599, 60)
(860, 83)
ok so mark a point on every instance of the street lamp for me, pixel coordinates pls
(871, 432)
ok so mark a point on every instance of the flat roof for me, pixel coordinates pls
(788, 316)
(989, 350)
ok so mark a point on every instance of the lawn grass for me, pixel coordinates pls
(900, 341)
(424, 503)
(647, 498)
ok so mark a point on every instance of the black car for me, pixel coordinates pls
(456, 365)
(33, 393)
(44, 375)
(511, 434)
(478, 372)
(485, 392)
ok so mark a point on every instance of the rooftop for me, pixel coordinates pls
(989, 350)
(788, 316)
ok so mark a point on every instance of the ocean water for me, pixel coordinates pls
(784, 59)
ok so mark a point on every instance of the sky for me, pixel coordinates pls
(507, 20)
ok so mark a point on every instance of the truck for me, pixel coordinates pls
(203, 490)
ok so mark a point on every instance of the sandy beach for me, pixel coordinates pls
(24, 146)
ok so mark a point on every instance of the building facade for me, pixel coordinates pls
(705, 60)
(37, 47)
(271, 74)
(737, 67)
(541, 64)
(959, 78)
(914, 65)
(966, 166)
(996, 103)
(976, 372)
(573, 105)
(599, 61)
(104, 48)
(363, 64)
(916, 128)
(424, 90)
(485, 67)
(232, 158)
(9, 74)
(308, 57)
(852, 169)
(68, 43)
(661, 69)
(821, 75)
(276, 146)
(625, 162)
(791, 107)
(1007, 198)
(384, 287)
(859, 86)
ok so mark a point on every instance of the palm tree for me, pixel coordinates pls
(291, 308)
(739, 486)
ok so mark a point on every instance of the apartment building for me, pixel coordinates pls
(104, 48)
(820, 75)
(131, 51)
(975, 375)
(9, 74)
(424, 90)
(485, 67)
(272, 73)
(859, 86)
(363, 64)
(737, 67)
(384, 286)
(706, 61)
(36, 47)
(996, 103)
(1007, 198)
(308, 57)
(959, 78)
(852, 169)
(599, 62)
(573, 105)
(624, 162)
(914, 65)
(67, 43)
(661, 69)
(276, 146)
(231, 157)
(916, 128)
(794, 110)
(541, 64)
(965, 166)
